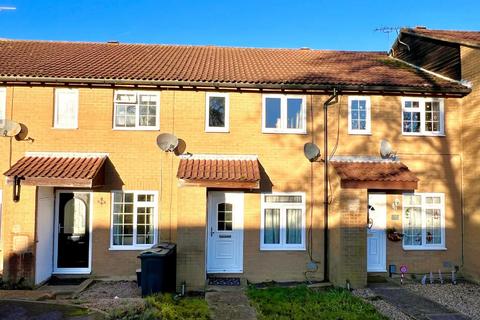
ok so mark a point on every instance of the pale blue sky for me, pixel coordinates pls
(343, 25)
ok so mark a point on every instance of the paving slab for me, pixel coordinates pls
(32, 295)
(230, 304)
(414, 305)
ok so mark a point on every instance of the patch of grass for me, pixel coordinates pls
(165, 307)
(304, 303)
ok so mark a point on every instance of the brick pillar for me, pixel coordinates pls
(192, 217)
(18, 233)
(348, 238)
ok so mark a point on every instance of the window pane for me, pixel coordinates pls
(433, 226)
(216, 112)
(294, 113)
(412, 226)
(294, 226)
(272, 112)
(283, 199)
(272, 226)
(66, 109)
(224, 217)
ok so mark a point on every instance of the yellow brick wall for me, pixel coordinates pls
(471, 156)
(135, 163)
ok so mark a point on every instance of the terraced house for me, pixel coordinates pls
(86, 187)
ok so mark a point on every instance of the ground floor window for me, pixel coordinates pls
(134, 216)
(424, 221)
(283, 221)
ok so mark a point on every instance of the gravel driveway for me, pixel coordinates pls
(382, 306)
(462, 297)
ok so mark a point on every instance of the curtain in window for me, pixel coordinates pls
(413, 226)
(66, 109)
(294, 226)
(272, 226)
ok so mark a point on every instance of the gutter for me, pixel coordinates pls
(202, 85)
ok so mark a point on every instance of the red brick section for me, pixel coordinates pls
(58, 171)
(211, 66)
(462, 37)
(220, 172)
(375, 175)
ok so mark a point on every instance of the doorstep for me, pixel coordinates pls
(65, 291)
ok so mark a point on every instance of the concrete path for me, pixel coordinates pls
(412, 304)
(29, 310)
(229, 303)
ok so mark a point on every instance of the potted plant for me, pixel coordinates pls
(394, 235)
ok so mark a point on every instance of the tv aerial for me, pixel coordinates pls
(9, 128)
(311, 151)
(167, 142)
(386, 150)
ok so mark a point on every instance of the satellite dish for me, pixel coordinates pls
(9, 128)
(167, 142)
(311, 151)
(386, 150)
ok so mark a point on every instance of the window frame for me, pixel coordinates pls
(282, 246)
(368, 118)
(137, 127)
(424, 206)
(421, 102)
(135, 246)
(3, 104)
(283, 114)
(226, 128)
(59, 91)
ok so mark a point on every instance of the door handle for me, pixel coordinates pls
(211, 232)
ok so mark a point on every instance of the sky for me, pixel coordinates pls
(339, 25)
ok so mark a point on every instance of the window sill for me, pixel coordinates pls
(284, 132)
(217, 130)
(424, 249)
(423, 135)
(366, 133)
(60, 128)
(282, 249)
(136, 129)
(129, 248)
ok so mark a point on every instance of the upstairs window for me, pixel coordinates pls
(359, 115)
(217, 112)
(284, 114)
(423, 221)
(422, 116)
(137, 110)
(66, 109)
(3, 105)
(283, 221)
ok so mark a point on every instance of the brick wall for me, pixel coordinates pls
(135, 163)
(471, 155)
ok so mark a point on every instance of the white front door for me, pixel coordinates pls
(376, 234)
(225, 232)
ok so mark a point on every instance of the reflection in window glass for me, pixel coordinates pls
(216, 112)
(272, 113)
(294, 113)
(272, 226)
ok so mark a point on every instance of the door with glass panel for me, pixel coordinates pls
(376, 232)
(73, 234)
(225, 232)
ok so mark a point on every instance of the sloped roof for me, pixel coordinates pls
(221, 171)
(375, 175)
(470, 38)
(211, 66)
(58, 170)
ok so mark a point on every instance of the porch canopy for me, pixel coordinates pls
(374, 174)
(220, 171)
(80, 170)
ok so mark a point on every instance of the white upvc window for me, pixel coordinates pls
(424, 221)
(359, 118)
(66, 109)
(134, 220)
(3, 105)
(136, 110)
(423, 116)
(217, 112)
(282, 221)
(284, 114)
